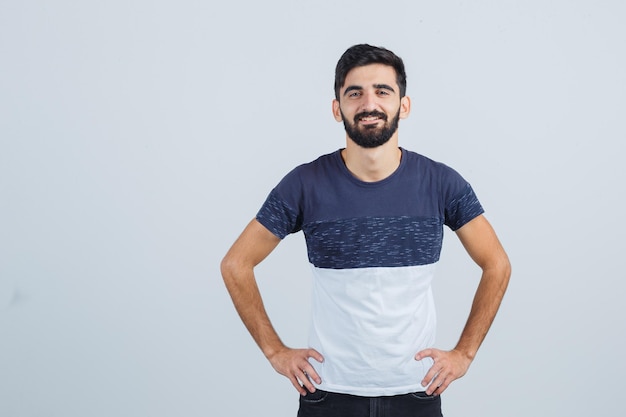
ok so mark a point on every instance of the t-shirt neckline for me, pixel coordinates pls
(346, 172)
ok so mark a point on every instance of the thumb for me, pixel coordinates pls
(424, 354)
(316, 355)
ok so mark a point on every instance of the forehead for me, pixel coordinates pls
(369, 75)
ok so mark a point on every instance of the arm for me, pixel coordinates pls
(483, 246)
(254, 245)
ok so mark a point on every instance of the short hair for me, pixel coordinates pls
(364, 54)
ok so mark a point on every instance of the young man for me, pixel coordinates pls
(372, 215)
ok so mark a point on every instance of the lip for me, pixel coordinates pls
(369, 120)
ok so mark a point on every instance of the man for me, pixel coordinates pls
(372, 215)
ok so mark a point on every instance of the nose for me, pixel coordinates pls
(369, 102)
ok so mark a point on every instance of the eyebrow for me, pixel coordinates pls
(384, 87)
(377, 86)
(352, 88)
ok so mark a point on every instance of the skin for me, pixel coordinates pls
(481, 243)
(254, 244)
(363, 91)
(368, 88)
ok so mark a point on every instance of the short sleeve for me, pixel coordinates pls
(461, 208)
(278, 216)
(281, 212)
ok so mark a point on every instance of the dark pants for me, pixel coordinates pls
(329, 404)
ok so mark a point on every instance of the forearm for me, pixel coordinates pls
(237, 267)
(254, 244)
(247, 299)
(486, 302)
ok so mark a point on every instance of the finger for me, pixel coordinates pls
(310, 372)
(430, 385)
(423, 354)
(305, 381)
(441, 388)
(297, 386)
(433, 386)
(442, 381)
(431, 375)
(308, 368)
(312, 353)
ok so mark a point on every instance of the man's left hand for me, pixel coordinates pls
(448, 366)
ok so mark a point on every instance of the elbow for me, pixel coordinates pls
(228, 266)
(234, 268)
(499, 269)
(506, 267)
(504, 270)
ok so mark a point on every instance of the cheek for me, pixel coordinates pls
(349, 112)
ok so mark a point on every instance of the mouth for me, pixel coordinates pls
(371, 118)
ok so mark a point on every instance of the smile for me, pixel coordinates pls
(370, 118)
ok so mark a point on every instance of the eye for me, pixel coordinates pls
(354, 94)
(383, 92)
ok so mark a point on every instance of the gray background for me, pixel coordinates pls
(139, 137)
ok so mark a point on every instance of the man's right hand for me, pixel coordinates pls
(294, 364)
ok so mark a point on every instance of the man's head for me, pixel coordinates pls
(363, 54)
(370, 91)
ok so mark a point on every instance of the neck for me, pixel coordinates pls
(372, 164)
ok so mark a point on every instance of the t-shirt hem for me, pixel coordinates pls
(467, 220)
(372, 391)
(267, 224)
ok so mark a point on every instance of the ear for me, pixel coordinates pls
(405, 107)
(337, 111)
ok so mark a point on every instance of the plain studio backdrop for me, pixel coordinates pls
(138, 138)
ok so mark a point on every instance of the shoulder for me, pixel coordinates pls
(426, 165)
(309, 173)
(322, 162)
(313, 169)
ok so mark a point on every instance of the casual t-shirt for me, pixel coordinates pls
(373, 249)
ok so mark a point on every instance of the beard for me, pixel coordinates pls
(371, 136)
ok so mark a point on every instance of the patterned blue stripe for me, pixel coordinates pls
(278, 217)
(462, 209)
(374, 242)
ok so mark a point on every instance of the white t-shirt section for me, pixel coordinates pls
(381, 317)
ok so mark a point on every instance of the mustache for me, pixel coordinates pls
(373, 113)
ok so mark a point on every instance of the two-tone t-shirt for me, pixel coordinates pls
(373, 249)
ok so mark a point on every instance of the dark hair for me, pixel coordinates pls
(363, 54)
